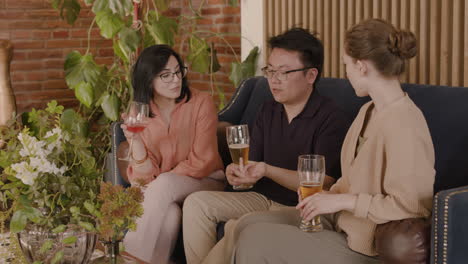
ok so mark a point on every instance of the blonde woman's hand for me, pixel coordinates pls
(325, 203)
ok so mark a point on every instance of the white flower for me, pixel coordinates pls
(55, 131)
(57, 144)
(42, 165)
(31, 146)
(37, 152)
(25, 172)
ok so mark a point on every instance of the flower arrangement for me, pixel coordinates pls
(49, 171)
(49, 180)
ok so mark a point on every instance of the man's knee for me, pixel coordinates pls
(197, 203)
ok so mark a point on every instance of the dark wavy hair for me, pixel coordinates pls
(150, 63)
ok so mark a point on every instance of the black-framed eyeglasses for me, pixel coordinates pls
(168, 77)
(280, 75)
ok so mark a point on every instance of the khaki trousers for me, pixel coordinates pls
(204, 210)
(158, 228)
(274, 237)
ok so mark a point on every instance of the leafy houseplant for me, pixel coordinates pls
(104, 90)
(50, 182)
(118, 212)
(49, 179)
(119, 208)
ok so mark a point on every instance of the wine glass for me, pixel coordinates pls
(136, 121)
(238, 142)
(311, 170)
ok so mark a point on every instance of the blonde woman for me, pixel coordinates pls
(387, 164)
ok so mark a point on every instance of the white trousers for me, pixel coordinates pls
(158, 228)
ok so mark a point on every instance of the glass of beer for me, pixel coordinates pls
(311, 170)
(238, 142)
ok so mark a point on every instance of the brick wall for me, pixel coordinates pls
(41, 40)
(218, 17)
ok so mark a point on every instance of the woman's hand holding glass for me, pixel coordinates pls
(311, 171)
(135, 121)
(324, 202)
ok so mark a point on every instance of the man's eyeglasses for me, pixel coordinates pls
(168, 77)
(280, 75)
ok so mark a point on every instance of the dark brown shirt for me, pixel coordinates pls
(319, 129)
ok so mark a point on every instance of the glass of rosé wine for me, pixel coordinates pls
(136, 121)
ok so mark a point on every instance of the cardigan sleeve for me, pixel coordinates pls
(408, 175)
(203, 158)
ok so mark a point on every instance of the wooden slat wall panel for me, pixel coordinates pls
(404, 23)
(445, 41)
(335, 38)
(376, 8)
(423, 61)
(465, 45)
(434, 42)
(457, 42)
(343, 26)
(441, 28)
(414, 27)
(326, 38)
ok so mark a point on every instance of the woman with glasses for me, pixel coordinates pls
(176, 154)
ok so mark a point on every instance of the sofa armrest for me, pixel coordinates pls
(449, 226)
(403, 241)
(117, 137)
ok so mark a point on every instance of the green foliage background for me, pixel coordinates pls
(105, 90)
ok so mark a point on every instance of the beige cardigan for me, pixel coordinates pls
(393, 173)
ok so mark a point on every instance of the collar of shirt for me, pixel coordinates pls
(310, 109)
(155, 108)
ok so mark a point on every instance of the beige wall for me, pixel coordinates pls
(441, 27)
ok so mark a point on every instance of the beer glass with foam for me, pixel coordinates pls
(238, 143)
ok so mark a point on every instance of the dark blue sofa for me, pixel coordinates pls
(446, 112)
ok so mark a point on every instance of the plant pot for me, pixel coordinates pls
(112, 251)
(7, 98)
(79, 252)
(113, 254)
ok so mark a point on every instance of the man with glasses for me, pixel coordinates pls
(298, 121)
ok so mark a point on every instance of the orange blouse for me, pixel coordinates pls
(186, 146)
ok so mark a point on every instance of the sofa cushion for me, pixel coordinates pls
(446, 112)
(445, 109)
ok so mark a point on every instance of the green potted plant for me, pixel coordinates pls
(119, 209)
(105, 90)
(50, 182)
